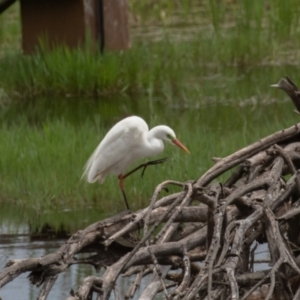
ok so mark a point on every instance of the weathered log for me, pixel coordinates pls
(291, 89)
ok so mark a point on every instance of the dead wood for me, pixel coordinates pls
(216, 224)
(291, 89)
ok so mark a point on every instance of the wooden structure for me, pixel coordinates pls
(71, 22)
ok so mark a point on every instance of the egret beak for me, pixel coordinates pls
(180, 145)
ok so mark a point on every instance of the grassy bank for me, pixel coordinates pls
(188, 42)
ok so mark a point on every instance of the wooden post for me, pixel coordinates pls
(68, 22)
(115, 23)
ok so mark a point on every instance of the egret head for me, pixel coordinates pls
(169, 136)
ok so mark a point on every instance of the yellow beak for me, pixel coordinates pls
(180, 145)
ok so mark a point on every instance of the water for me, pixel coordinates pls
(19, 246)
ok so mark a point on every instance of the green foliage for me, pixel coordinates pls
(41, 161)
(79, 72)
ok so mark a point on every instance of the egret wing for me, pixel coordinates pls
(111, 156)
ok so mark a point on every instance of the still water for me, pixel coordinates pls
(19, 245)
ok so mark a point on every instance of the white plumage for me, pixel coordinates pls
(126, 142)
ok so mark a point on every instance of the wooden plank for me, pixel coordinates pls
(116, 27)
(68, 22)
(60, 22)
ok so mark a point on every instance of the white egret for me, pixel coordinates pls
(127, 141)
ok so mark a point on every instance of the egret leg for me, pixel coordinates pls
(121, 177)
(144, 166)
(121, 185)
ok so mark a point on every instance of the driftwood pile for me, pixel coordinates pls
(198, 243)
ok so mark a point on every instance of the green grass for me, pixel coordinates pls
(162, 69)
(239, 35)
(78, 72)
(41, 164)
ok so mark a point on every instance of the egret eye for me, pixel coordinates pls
(170, 137)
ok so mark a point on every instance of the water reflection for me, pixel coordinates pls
(19, 246)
